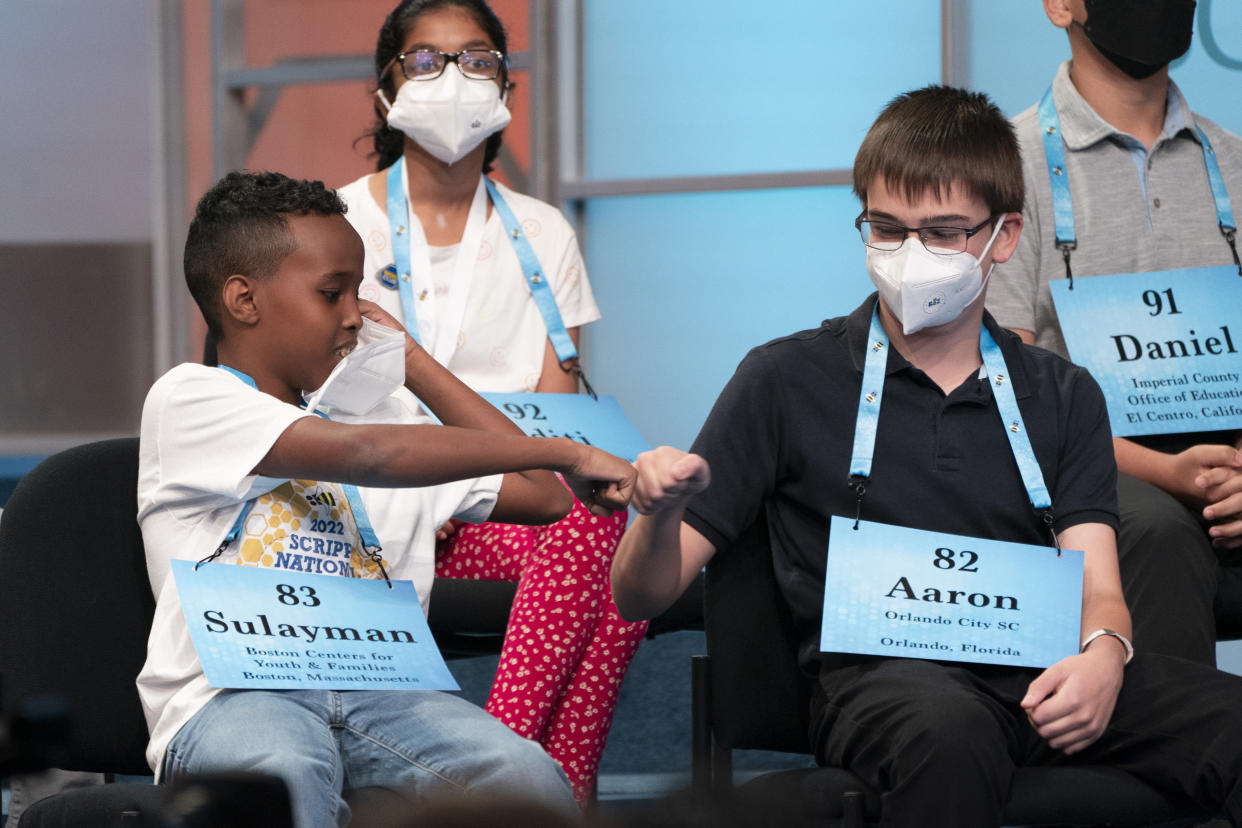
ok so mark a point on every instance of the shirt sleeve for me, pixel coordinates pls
(476, 498)
(210, 430)
(1086, 485)
(743, 445)
(574, 296)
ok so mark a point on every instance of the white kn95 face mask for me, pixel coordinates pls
(924, 289)
(366, 376)
(448, 116)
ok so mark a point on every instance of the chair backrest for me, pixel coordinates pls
(759, 696)
(75, 602)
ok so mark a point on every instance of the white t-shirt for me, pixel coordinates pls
(503, 337)
(203, 432)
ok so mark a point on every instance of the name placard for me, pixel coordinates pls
(254, 627)
(1163, 346)
(908, 593)
(600, 423)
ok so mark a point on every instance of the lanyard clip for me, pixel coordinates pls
(373, 552)
(208, 559)
(1065, 248)
(1048, 521)
(574, 366)
(1231, 236)
(858, 483)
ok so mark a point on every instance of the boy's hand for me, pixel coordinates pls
(1070, 703)
(380, 316)
(377, 314)
(601, 482)
(1222, 486)
(668, 477)
(1197, 470)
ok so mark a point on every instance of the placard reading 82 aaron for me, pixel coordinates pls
(1164, 346)
(255, 627)
(910, 593)
(600, 423)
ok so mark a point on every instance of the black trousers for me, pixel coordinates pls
(1172, 578)
(940, 742)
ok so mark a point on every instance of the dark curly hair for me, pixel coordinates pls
(389, 143)
(239, 226)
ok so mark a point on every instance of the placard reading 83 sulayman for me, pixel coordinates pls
(256, 627)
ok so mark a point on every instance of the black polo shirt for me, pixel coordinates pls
(781, 433)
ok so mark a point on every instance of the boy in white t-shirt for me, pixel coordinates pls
(275, 269)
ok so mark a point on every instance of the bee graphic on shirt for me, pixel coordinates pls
(322, 498)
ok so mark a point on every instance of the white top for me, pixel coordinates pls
(503, 337)
(203, 432)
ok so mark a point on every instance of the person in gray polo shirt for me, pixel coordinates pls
(1142, 201)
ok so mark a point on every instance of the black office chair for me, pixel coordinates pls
(748, 692)
(75, 610)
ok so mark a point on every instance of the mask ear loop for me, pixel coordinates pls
(379, 93)
(995, 232)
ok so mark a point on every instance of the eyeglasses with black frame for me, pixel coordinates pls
(942, 241)
(428, 64)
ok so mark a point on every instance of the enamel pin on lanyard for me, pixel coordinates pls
(909, 593)
(1160, 344)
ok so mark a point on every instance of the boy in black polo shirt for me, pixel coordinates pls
(939, 176)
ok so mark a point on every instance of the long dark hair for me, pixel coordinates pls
(389, 143)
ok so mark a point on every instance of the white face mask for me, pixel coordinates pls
(449, 115)
(924, 290)
(372, 370)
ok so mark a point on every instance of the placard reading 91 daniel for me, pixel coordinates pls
(255, 627)
(1163, 346)
(600, 423)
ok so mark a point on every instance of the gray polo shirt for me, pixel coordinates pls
(1134, 211)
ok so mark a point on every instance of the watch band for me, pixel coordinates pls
(1125, 642)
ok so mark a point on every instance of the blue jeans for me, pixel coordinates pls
(323, 742)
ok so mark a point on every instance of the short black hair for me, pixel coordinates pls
(939, 136)
(239, 226)
(389, 143)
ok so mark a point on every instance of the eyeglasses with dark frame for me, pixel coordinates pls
(942, 241)
(428, 64)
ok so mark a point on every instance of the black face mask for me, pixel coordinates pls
(1140, 36)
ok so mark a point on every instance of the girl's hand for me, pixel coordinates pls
(447, 530)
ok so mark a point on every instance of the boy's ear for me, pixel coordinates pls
(238, 300)
(1007, 239)
(1059, 13)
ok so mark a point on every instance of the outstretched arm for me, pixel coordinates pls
(660, 555)
(1071, 702)
(455, 403)
(475, 440)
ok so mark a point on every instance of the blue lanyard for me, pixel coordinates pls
(370, 541)
(872, 392)
(540, 290)
(1062, 203)
(398, 213)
